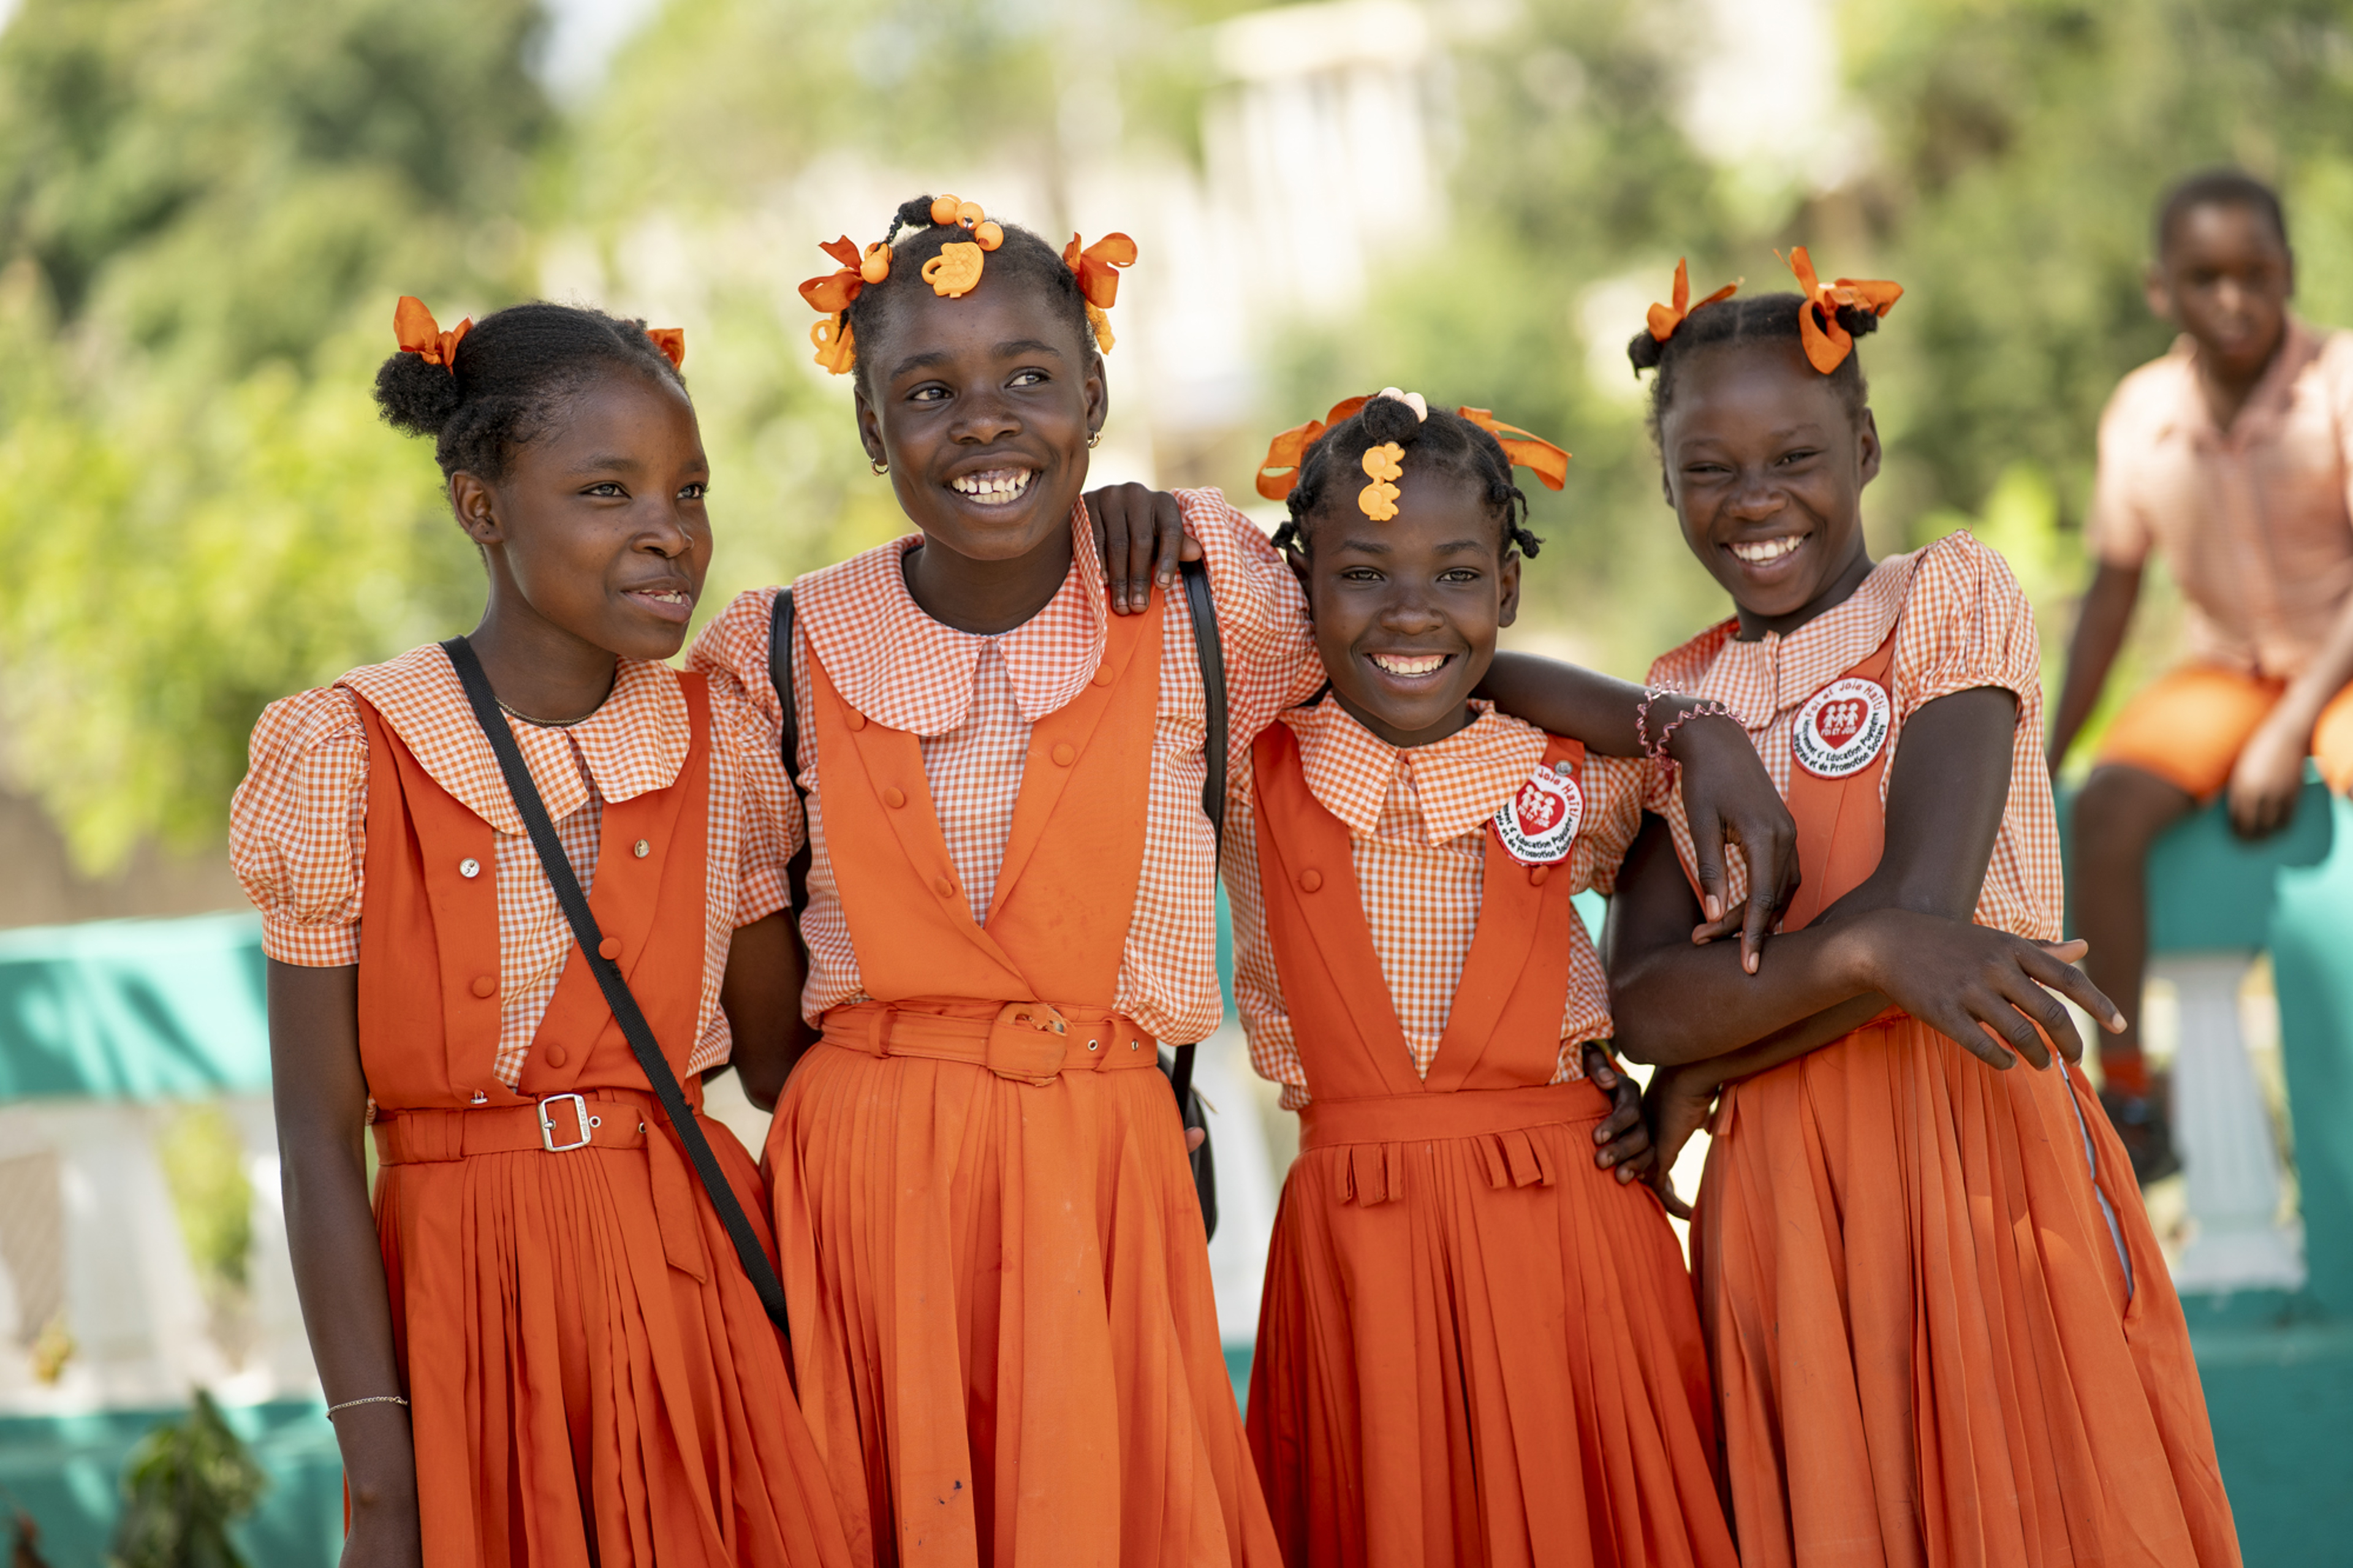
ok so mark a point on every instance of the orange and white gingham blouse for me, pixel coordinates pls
(1964, 624)
(298, 826)
(972, 700)
(1418, 833)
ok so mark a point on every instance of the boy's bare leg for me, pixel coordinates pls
(2118, 816)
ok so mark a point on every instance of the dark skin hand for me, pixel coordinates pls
(1765, 466)
(1729, 796)
(595, 541)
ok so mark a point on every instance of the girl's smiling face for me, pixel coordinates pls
(597, 529)
(982, 406)
(1765, 468)
(1406, 611)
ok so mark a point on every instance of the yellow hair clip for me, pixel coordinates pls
(1384, 465)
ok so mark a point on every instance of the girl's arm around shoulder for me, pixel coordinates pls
(298, 826)
(1729, 796)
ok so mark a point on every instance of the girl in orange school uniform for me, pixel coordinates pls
(1478, 1342)
(1940, 1327)
(542, 1346)
(988, 1223)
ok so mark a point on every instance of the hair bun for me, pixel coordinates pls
(1859, 321)
(416, 398)
(1387, 419)
(1645, 351)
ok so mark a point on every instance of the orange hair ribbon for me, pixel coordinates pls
(1096, 268)
(831, 295)
(419, 333)
(671, 340)
(1665, 318)
(1532, 452)
(1828, 344)
(1286, 452)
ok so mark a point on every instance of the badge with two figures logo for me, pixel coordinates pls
(1841, 729)
(1537, 825)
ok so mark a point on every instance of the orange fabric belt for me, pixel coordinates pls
(1463, 1113)
(559, 1123)
(1030, 1042)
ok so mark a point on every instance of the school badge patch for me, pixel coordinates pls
(1840, 729)
(1537, 824)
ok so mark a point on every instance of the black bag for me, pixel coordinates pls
(634, 1028)
(1177, 1065)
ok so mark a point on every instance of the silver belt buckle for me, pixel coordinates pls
(547, 1129)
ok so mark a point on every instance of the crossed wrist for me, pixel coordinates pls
(1666, 720)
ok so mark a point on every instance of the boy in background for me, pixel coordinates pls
(2230, 458)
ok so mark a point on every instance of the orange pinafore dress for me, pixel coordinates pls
(1475, 1346)
(1940, 1327)
(590, 1374)
(992, 1243)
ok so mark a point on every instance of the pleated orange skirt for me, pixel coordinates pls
(1476, 1347)
(591, 1377)
(1927, 1344)
(1002, 1316)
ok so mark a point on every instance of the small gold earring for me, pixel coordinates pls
(879, 467)
(1094, 439)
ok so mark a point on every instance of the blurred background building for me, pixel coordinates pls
(207, 207)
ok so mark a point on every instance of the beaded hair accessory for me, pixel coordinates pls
(1828, 344)
(1286, 452)
(1665, 318)
(953, 273)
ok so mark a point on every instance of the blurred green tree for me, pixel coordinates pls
(206, 210)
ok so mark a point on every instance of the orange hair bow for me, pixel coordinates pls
(1526, 450)
(1096, 268)
(1665, 318)
(671, 340)
(1828, 344)
(831, 295)
(1286, 452)
(419, 333)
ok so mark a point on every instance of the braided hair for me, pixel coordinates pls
(1753, 318)
(507, 383)
(1333, 468)
(1024, 256)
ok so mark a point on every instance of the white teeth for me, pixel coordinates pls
(1758, 551)
(1409, 663)
(995, 484)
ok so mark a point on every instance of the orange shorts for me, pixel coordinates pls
(2190, 726)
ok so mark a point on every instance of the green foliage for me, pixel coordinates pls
(203, 1167)
(208, 209)
(183, 1485)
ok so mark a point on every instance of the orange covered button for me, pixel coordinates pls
(1064, 753)
(557, 1056)
(609, 948)
(1536, 875)
(1102, 675)
(894, 797)
(1311, 878)
(486, 984)
(856, 720)
(945, 885)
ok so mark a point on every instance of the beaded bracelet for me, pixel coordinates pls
(370, 1399)
(1657, 750)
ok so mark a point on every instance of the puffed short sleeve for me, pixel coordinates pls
(771, 812)
(298, 827)
(734, 651)
(1966, 624)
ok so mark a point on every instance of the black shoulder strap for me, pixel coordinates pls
(780, 678)
(634, 1028)
(1204, 614)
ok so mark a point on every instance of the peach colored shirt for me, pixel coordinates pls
(1965, 622)
(2254, 523)
(1417, 822)
(971, 700)
(298, 825)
